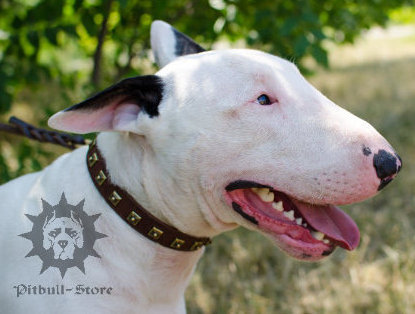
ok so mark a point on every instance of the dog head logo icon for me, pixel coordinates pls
(63, 235)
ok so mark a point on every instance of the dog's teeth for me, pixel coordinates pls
(264, 194)
(317, 235)
(278, 206)
(305, 225)
(326, 241)
(289, 215)
(299, 221)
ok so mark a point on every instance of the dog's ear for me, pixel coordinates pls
(49, 218)
(47, 244)
(114, 109)
(168, 43)
(75, 217)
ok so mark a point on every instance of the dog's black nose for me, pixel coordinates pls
(63, 243)
(387, 165)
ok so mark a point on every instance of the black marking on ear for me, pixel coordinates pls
(236, 207)
(185, 45)
(243, 184)
(144, 91)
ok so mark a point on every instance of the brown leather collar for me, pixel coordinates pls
(134, 214)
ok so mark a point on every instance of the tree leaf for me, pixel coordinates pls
(51, 35)
(320, 55)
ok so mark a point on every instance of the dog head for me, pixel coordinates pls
(63, 235)
(240, 137)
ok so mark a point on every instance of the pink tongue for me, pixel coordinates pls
(333, 222)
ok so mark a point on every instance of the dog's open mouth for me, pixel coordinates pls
(303, 230)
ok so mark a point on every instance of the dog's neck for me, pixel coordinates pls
(124, 159)
(149, 274)
(133, 166)
(167, 271)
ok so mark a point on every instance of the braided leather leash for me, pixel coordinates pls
(19, 127)
(119, 200)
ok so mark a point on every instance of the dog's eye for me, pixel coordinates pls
(73, 234)
(263, 100)
(53, 234)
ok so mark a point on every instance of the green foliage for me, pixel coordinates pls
(19, 156)
(78, 43)
(403, 15)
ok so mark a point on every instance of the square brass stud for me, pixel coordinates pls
(133, 218)
(197, 245)
(177, 243)
(115, 198)
(100, 177)
(92, 159)
(155, 233)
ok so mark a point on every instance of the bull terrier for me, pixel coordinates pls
(212, 141)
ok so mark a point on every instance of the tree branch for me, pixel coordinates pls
(96, 72)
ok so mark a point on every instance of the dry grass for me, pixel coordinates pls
(242, 272)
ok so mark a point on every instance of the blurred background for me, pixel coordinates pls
(361, 54)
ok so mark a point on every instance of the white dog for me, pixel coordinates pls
(212, 141)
